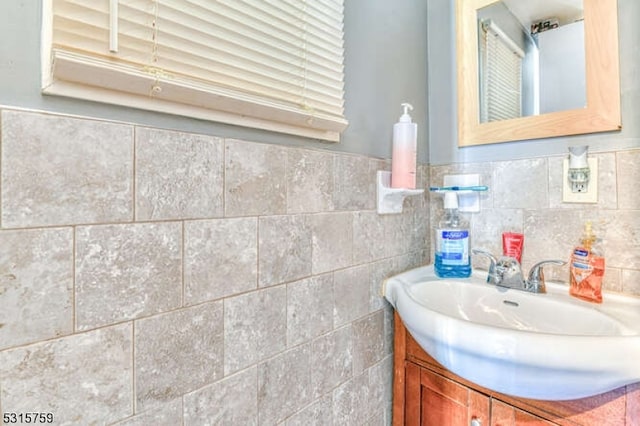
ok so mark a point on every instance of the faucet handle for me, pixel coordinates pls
(485, 253)
(536, 275)
(493, 276)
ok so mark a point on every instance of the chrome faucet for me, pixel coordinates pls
(506, 271)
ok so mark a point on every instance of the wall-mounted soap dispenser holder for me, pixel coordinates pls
(390, 200)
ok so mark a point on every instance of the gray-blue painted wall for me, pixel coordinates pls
(385, 65)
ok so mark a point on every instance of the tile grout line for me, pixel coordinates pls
(224, 177)
(134, 404)
(74, 247)
(183, 262)
(134, 131)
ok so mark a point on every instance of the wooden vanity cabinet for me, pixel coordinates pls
(427, 394)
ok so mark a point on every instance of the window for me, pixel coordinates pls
(501, 75)
(268, 64)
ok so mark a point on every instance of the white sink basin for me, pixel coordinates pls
(544, 346)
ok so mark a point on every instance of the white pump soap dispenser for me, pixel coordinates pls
(403, 157)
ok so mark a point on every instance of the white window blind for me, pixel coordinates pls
(501, 75)
(270, 64)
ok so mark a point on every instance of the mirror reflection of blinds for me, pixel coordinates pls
(501, 75)
(278, 61)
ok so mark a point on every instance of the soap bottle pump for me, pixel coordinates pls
(452, 257)
(403, 157)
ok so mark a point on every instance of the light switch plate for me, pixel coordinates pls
(591, 196)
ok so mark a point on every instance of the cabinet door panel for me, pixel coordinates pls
(440, 384)
(413, 390)
(502, 414)
(479, 407)
(505, 415)
(438, 410)
(526, 419)
(445, 402)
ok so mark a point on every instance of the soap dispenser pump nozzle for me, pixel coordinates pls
(405, 117)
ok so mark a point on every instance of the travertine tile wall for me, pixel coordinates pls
(154, 277)
(526, 196)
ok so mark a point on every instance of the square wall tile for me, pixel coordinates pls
(351, 402)
(309, 308)
(628, 163)
(127, 271)
(178, 175)
(381, 387)
(59, 170)
(230, 401)
(84, 378)
(255, 179)
(369, 233)
(620, 231)
(309, 181)
(419, 234)
(521, 184)
(284, 249)
(221, 258)
(351, 294)
(177, 353)
(284, 385)
(354, 183)
(397, 230)
(631, 282)
(332, 237)
(318, 413)
(368, 341)
(613, 281)
(332, 360)
(255, 327)
(36, 285)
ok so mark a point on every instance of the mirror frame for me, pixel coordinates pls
(602, 112)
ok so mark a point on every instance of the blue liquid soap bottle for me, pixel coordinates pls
(453, 259)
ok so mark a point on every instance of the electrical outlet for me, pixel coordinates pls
(584, 193)
(579, 187)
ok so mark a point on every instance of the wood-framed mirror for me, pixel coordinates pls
(602, 81)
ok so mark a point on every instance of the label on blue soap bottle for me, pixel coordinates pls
(453, 247)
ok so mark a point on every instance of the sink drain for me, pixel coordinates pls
(510, 303)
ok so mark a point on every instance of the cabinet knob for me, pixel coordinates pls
(475, 422)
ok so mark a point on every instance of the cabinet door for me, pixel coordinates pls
(503, 414)
(434, 400)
